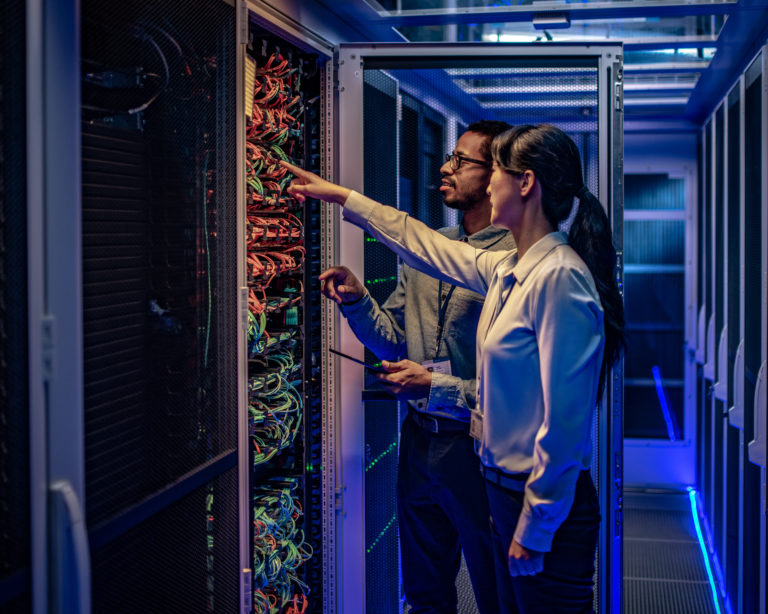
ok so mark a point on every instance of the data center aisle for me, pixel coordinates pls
(664, 569)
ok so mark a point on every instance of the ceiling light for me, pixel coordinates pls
(551, 21)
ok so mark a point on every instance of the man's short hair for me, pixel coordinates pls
(489, 128)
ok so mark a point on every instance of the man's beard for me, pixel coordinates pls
(466, 203)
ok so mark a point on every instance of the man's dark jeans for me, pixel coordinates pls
(443, 509)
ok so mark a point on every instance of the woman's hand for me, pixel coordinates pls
(341, 286)
(524, 562)
(308, 184)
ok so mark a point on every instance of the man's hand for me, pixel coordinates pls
(524, 562)
(405, 379)
(340, 285)
(307, 184)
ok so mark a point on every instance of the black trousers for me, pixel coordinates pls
(566, 584)
(443, 509)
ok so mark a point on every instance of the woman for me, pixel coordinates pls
(551, 326)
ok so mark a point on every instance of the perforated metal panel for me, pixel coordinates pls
(182, 559)
(14, 414)
(159, 303)
(382, 417)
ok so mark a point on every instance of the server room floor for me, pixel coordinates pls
(664, 569)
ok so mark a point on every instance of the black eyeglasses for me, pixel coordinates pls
(455, 161)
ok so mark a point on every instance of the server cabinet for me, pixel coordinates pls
(730, 275)
(15, 461)
(288, 475)
(436, 76)
(159, 304)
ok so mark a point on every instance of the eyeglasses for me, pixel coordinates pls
(455, 161)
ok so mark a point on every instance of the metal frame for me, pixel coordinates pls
(38, 431)
(57, 472)
(350, 173)
(243, 448)
(329, 221)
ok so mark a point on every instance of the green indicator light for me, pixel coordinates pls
(390, 448)
(381, 534)
(380, 280)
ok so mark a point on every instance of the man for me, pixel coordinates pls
(442, 505)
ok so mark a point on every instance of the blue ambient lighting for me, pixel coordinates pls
(695, 514)
(671, 430)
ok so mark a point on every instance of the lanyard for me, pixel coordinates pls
(442, 310)
(442, 307)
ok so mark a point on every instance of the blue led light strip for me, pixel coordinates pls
(702, 545)
(664, 404)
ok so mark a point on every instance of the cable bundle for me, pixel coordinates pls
(274, 235)
(274, 404)
(278, 549)
(275, 266)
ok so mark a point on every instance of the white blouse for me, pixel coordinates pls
(539, 351)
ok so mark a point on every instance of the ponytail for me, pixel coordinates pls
(590, 237)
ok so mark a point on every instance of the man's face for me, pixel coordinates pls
(465, 187)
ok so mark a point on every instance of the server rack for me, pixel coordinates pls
(730, 275)
(15, 525)
(283, 89)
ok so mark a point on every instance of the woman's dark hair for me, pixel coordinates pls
(556, 164)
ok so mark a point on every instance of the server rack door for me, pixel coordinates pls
(15, 458)
(435, 75)
(159, 304)
(754, 331)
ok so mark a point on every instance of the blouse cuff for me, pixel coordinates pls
(530, 536)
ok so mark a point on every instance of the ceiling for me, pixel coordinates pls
(680, 56)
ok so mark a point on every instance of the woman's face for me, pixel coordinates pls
(506, 201)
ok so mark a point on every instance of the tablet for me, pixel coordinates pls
(376, 368)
